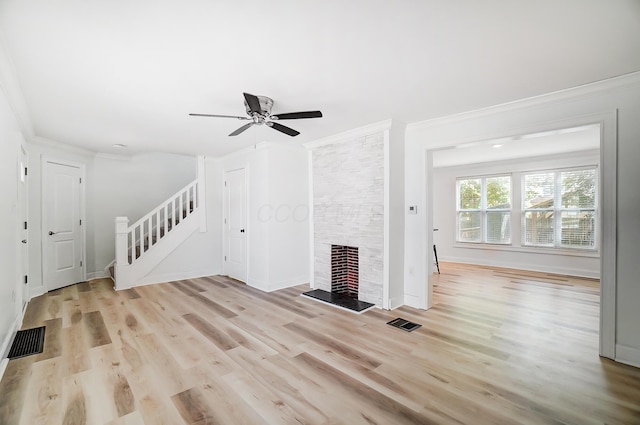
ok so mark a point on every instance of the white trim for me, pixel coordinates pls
(627, 355)
(83, 208)
(36, 292)
(568, 271)
(386, 265)
(571, 93)
(170, 277)
(312, 250)
(607, 205)
(98, 275)
(287, 283)
(350, 134)
(245, 167)
(8, 340)
(608, 179)
(42, 141)
(426, 291)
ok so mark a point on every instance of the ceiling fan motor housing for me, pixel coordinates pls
(266, 103)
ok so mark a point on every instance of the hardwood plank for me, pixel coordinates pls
(96, 330)
(499, 346)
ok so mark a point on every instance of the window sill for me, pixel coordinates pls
(529, 250)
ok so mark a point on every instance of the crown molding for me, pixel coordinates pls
(43, 141)
(584, 90)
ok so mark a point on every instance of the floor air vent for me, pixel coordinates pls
(404, 324)
(27, 342)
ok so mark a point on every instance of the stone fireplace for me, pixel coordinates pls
(348, 212)
(344, 270)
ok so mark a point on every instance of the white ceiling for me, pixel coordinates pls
(532, 145)
(97, 73)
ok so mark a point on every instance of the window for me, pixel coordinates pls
(559, 208)
(484, 209)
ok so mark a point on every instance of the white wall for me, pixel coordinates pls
(615, 102)
(10, 271)
(277, 241)
(287, 216)
(514, 256)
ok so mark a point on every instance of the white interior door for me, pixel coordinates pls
(235, 255)
(63, 244)
(23, 291)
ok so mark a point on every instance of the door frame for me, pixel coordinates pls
(82, 201)
(607, 207)
(23, 182)
(225, 245)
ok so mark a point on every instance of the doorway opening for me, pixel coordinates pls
(590, 143)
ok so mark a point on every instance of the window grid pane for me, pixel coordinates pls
(578, 188)
(469, 194)
(539, 228)
(559, 208)
(578, 229)
(484, 209)
(499, 192)
(499, 227)
(469, 226)
(539, 190)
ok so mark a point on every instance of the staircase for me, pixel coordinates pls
(141, 246)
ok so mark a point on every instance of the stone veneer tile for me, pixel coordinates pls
(348, 209)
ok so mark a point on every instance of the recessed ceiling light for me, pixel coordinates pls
(119, 145)
(497, 145)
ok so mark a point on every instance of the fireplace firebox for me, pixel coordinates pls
(344, 270)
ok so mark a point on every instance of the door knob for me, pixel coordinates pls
(51, 233)
(24, 241)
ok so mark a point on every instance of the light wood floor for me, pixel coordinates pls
(499, 347)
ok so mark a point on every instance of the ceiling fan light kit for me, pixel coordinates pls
(259, 113)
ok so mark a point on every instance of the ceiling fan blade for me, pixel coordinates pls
(219, 116)
(241, 129)
(298, 115)
(283, 129)
(253, 102)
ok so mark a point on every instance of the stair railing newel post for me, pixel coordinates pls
(122, 251)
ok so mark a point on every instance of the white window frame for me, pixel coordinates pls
(483, 209)
(558, 210)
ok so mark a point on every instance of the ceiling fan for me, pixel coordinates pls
(259, 113)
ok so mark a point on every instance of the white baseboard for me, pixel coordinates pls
(287, 283)
(8, 340)
(171, 277)
(628, 355)
(98, 275)
(529, 267)
(36, 292)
